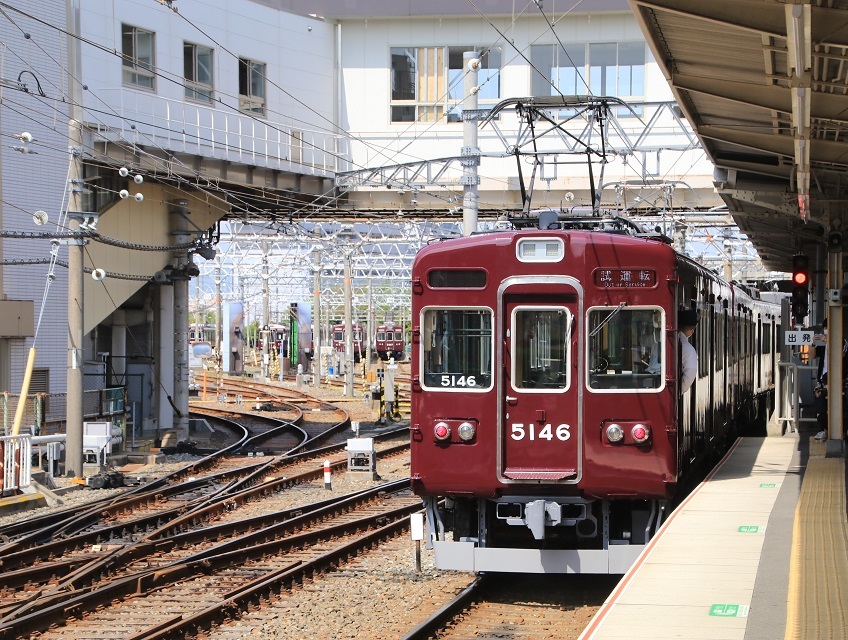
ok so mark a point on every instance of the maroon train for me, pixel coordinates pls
(389, 342)
(339, 340)
(548, 430)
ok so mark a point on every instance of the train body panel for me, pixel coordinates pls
(546, 403)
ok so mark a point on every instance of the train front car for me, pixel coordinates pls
(339, 340)
(389, 341)
(545, 398)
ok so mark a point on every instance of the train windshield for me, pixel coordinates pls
(625, 348)
(456, 349)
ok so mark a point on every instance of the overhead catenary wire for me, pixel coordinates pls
(323, 206)
(158, 73)
(276, 200)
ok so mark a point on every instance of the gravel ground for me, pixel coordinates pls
(380, 595)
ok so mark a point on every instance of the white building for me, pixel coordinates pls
(255, 106)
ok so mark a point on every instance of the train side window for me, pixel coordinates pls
(541, 349)
(456, 349)
(766, 343)
(625, 349)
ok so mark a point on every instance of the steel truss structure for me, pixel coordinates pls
(257, 256)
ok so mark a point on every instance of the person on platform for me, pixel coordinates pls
(820, 342)
(687, 321)
(820, 408)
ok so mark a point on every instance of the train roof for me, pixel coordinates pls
(579, 219)
(584, 219)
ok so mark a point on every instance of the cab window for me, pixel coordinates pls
(625, 349)
(456, 348)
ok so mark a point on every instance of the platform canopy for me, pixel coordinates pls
(765, 86)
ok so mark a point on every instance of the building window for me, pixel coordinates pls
(427, 82)
(197, 68)
(602, 69)
(252, 86)
(139, 57)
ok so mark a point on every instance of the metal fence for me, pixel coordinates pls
(45, 413)
(15, 458)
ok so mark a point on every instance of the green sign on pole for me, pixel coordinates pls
(293, 339)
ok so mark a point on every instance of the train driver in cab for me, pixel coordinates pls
(687, 320)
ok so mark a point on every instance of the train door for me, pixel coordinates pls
(706, 355)
(540, 426)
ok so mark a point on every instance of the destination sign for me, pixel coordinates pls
(625, 278)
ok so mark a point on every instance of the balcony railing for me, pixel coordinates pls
(147, 119)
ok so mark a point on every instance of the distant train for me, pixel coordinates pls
(278, 339)
(549, 432)
(339, 340)
(389, 341)
(201, 333)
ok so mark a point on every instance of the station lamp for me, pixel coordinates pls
(800, 286)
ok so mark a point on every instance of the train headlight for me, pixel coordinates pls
(442, 431)
(640, 433)
(615, 433)
(465, 431)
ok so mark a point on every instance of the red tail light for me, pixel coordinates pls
(640, 433)
(441, 431)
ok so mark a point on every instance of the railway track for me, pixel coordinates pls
(529, 607)
(208, 574)
(207, 541)
(224, 538)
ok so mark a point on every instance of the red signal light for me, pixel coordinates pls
(800, 278)
(800, 286)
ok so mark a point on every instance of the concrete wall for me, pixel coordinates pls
(36, 181)
(297, 52)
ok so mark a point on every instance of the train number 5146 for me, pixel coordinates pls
(548, 432)
(458, 381)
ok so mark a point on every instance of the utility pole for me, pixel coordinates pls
(372, 328)
(316, 317)
(348, 312)
(219, 309)
(178, 213)
(470, 150)
(266, 314)
(74, 412)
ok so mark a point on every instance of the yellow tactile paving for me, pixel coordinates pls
(818, 575)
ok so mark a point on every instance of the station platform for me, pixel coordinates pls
(759, 551)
